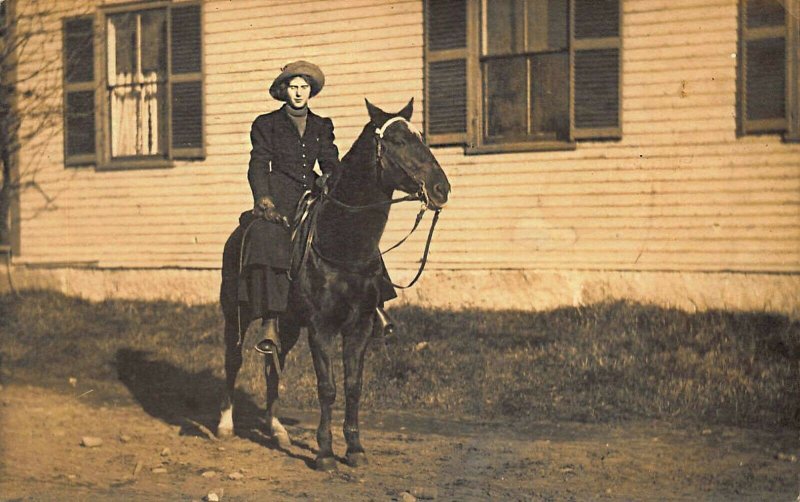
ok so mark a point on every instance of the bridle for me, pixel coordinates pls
(379, 168)
(419, 196)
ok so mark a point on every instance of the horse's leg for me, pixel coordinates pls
(289, 333)
(354, 347)
(321, 344)
(233, 363)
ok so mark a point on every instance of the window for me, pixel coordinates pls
(769, 83)
(133, 96)
(137, 66)
(504, 75)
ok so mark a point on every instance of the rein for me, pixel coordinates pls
(348, 265)
(375, 205)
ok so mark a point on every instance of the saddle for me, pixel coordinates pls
(301, 228)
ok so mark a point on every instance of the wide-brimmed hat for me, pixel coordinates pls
(291, 70)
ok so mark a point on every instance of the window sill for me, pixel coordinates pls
(538, 146)
(125, 164)
(782, 136)
(793, 137)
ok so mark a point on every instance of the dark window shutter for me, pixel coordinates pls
(79, 50)
(79, 91)
(187, 129)
(446, 71)
(597, 69)
(447, 24)
(185, 39)
(80, 123)
(596, 89)
(447, 97)
(762, 97)
(766, 79)
(186, 83)
(761, 13)
(596, 18)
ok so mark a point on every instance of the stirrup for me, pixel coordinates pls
(385, 323)
(270, 343)
(266, 347)
(270, 349)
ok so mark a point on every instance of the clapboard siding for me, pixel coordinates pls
(679, 192)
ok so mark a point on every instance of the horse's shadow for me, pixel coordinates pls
(190, 400)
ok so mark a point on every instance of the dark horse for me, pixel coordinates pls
(336, 289)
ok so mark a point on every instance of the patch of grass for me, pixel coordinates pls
(602, 362)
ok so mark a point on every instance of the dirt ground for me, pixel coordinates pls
(143, 457)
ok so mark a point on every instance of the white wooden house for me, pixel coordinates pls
(645, 149)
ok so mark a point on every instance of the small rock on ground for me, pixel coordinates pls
(407, 497)
(235, 476)
(91, 442)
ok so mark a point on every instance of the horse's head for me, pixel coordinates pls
(405, 161)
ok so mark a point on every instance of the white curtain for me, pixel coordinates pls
(134, 114)
(134, 106)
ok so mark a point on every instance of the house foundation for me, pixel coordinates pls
(457, 290)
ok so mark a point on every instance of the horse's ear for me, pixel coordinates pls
(408, 110)
(376, 115)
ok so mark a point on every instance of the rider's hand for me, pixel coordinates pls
(321, 184)
(265, 208)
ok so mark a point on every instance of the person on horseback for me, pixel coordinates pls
(293, 152)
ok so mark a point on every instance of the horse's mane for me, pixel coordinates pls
(361, 148)
(359, 161)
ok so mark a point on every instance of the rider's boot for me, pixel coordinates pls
(385, 322)
(270, 344)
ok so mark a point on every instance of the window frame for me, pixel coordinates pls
(792, 134)
(101, 159)
(488, 142)
(789, 125)
(473, 138)
(134, 161)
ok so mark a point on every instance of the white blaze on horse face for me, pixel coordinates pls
(413, 129)
(297, 92)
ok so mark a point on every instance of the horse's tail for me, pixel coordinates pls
(229, 289)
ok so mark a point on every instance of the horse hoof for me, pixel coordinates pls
(225, 433)
(356, 459)
(282, 440)
(326, 464)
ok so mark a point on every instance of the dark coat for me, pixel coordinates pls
(282, 167)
